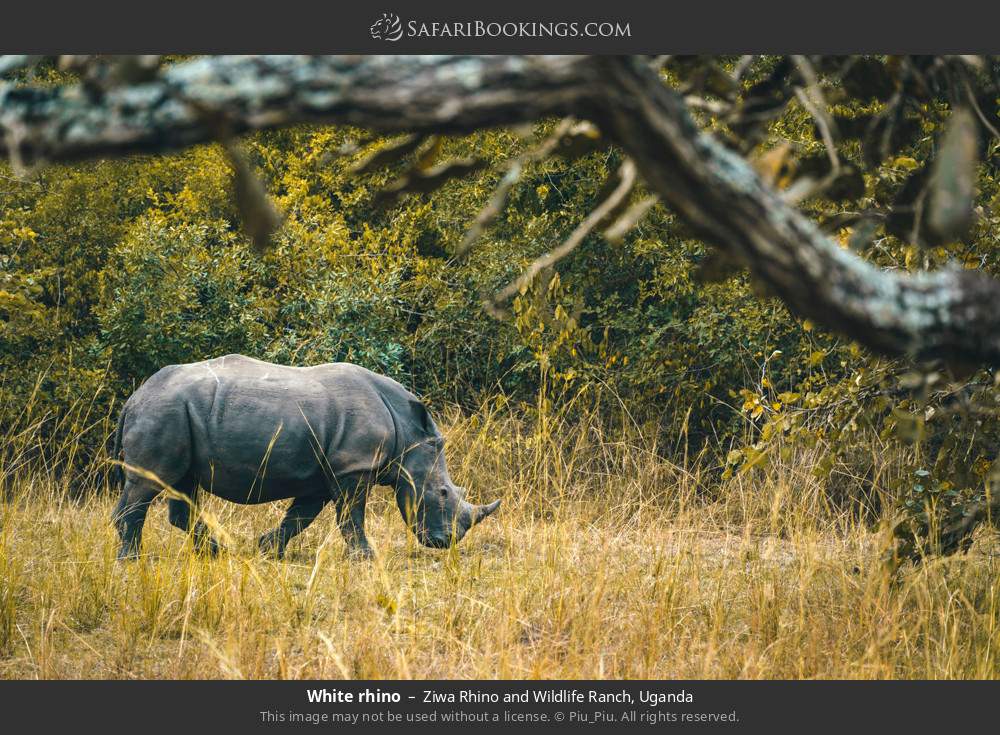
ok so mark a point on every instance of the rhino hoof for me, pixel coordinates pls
(210, 549)
(360, 553)
(268, 546)
(127, 555)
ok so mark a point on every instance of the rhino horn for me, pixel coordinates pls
(479, 512)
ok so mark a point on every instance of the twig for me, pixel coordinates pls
(812, 100)
(658, 62)
(815, 105)
(742, 65)
(627, 174)
(617, 231)
(492, 209)
(499, 198)
(979, 112)
(710, 106)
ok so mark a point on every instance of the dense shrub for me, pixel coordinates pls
(110, 270)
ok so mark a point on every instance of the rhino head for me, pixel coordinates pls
(433, 506)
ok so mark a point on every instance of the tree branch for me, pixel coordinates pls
(949, 313)
(446, 94)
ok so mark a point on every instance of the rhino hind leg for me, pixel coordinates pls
(130, 514)
(299, 515)
(181, 511)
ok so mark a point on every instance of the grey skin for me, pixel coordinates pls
(253, 432)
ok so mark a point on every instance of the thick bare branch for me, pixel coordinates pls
(447, 94)
(949, 313)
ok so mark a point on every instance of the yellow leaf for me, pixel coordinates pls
(773, 163)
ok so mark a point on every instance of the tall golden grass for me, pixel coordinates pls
(606, 560)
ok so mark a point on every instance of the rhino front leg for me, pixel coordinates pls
(351, 519)
(299, 515)
(181, 511)
(130, 515)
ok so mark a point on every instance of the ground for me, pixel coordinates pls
(605, 561)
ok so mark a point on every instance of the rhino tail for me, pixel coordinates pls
(117, 471)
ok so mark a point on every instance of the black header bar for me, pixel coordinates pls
(511, 26)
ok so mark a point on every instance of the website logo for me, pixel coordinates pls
(390, 28)
(387, 28)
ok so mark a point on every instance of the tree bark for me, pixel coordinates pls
(188, 102)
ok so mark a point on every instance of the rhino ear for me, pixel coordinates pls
(422, 417)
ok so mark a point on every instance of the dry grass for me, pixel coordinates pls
(605, 561)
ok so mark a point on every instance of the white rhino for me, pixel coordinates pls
(253, 432)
